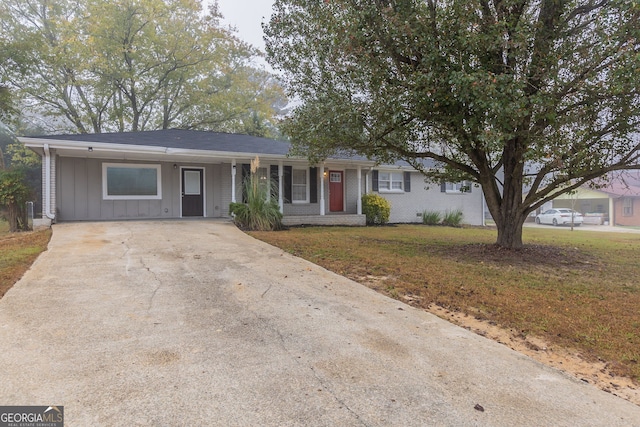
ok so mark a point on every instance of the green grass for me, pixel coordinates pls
(17, 253)
(574, 289)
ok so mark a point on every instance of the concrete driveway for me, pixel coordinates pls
(193, 323)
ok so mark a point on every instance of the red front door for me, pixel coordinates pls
(336, 191)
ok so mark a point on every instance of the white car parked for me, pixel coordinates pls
(560, 216)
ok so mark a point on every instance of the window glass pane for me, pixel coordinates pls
(299, 176)
(627, 207)
(384, 181)
(132, 181)
(455, 186)
(191, 183)
(299, 193)
(299, 185)
(262, 174)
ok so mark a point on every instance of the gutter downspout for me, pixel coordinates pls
(47, 184)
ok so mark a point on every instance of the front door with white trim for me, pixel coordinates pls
(336, 191)
(192, 192)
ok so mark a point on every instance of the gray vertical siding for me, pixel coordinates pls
(214, 191)
(79, 192)
(351, 190)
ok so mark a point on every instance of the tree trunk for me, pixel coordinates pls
(510, 233)
(12, 217)
(510, 206)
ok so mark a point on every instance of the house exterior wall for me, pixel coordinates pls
(407, 207)
(626, 220)
(299, 209)
(350, 183)
(79, 192)
(351, 191)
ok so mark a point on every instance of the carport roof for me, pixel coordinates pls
(184, 139)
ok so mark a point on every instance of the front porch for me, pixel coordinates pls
(329, 219)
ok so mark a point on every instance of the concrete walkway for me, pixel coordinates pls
(193, 323)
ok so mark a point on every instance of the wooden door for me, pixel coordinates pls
(336, 191)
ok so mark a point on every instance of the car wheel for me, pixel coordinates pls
(555, 222)
(537, 220)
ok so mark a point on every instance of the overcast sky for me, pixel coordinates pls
(246, 16)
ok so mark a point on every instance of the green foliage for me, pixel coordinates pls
(541, 95)
(7, 108)
(431, 217)
(376, 208)
(99, 65)
(14, 193)
(452, 218)
(261, 212)
(21, 157)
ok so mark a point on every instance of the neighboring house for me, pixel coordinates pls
(183, 173)
(616, 202)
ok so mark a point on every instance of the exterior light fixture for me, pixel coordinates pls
(175, 166)
(90, 149)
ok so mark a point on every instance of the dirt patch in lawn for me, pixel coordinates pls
(538, 255)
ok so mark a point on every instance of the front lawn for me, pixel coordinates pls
(578, 290)
(17, 253)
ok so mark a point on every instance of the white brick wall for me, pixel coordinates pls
(342, 219)
(405, 207)
(53, 174)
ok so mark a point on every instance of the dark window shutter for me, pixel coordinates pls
(246, 173)
(443, 186)
(407, 182)
(313, 185)
(374, 180)
(273, 174)
(469, 185)
(287, 183)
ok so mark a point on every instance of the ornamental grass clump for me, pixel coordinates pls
(431, 217)
(452, 218)
(261, 211)
(376, 208)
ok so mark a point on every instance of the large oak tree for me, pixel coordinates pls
(515, 95)
(129, 65)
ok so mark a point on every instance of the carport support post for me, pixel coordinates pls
(612, 211)
(281, 186)
(359, 190)
(233, 181)
(322, 190)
